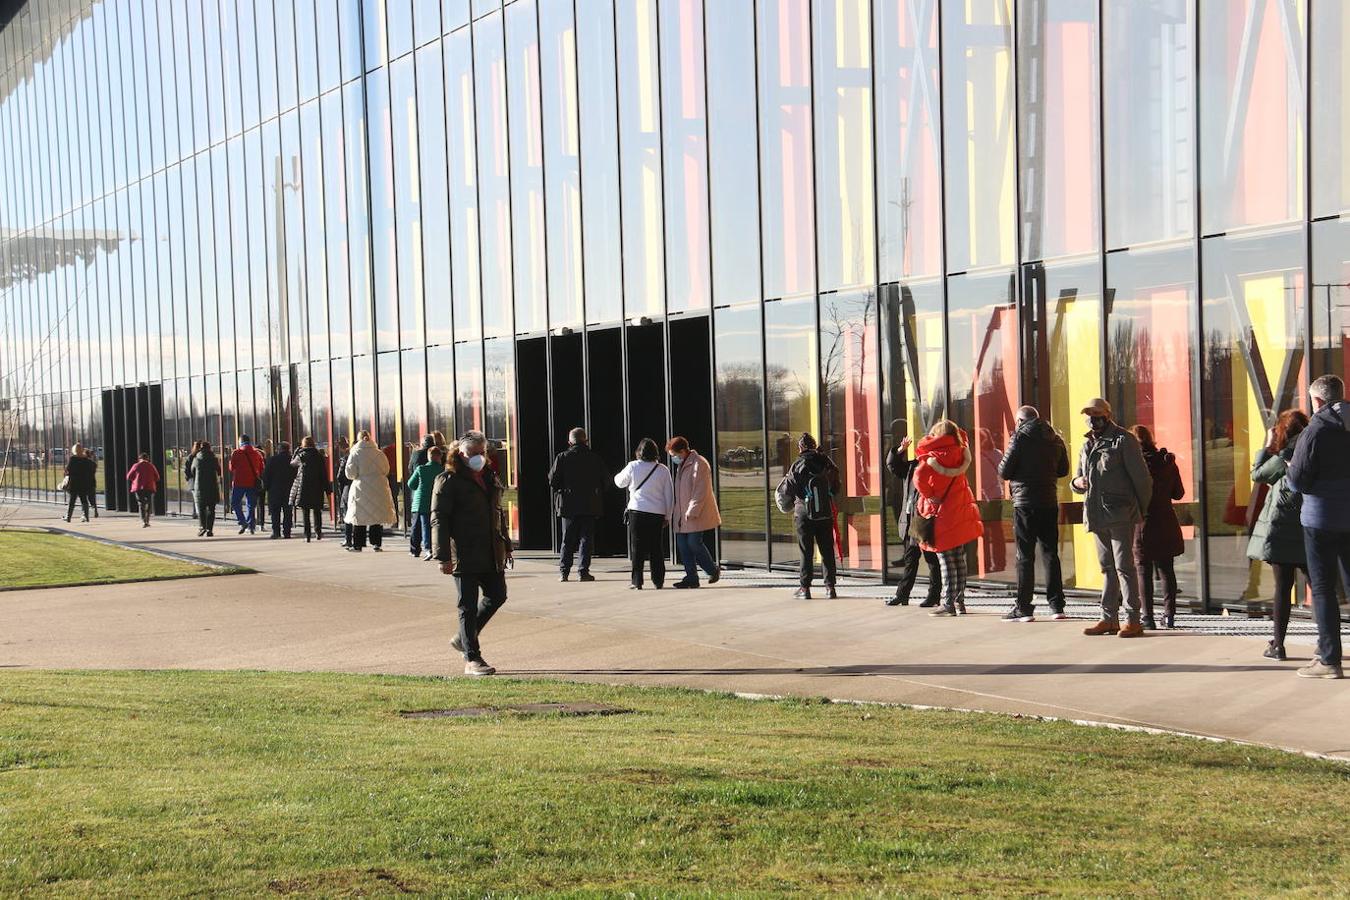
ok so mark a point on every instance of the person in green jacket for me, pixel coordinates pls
(422, 482)
(1277, 536)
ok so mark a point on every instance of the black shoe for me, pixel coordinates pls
(210, 533)
(929, 603)
(1169, 622)
(831, 593)
(253, 531)
(564, 577)
(686, 584)
(895, 601)
(1274, 651)
(802, 593)
(414, 553)
(274, 537)
(1016, 615)
(243, 528)
(201, 532)
(716, 576)
(65, 518)
(1149, 624)
(635, 587)
(585, 576)
(377, 548)
(354, 549)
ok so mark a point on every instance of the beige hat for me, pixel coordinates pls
(1097, 407)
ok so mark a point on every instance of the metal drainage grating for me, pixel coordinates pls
(527, 709)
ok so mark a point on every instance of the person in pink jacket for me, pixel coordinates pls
(143, 481)
(695, 512)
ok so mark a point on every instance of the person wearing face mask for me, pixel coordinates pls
(695, 512)
(469, 538)
(1117, 487)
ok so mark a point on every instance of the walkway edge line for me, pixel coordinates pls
(1091, 723)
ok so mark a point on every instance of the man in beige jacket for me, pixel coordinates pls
(695, 512)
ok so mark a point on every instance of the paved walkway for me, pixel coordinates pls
(314, 607)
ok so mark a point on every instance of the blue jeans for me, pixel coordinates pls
(694, 554)
(421, 533)
(578, 535)
(237, 497)
(1328, 552)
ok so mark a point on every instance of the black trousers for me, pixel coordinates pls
(1284, 597)
(317, 513)
(476, 610)
(376, 533)
(1167, 570)
(1038, 526)
(282, 517)
(578, 536)
(910, 571)
(813, 534)
(84, 502)
(645, 546)
(206, 516)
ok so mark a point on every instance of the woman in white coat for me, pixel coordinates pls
(651, 502)
(370, 506)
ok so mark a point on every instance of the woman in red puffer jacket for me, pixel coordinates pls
(944, 493)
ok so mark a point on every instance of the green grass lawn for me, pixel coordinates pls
(171, 783)
(41, 559)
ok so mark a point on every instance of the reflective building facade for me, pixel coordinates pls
(731, 219)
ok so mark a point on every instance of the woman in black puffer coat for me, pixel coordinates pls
(1158, 540)
(310, 486)
(1277, 536)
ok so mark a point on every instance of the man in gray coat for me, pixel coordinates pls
(1114, 478)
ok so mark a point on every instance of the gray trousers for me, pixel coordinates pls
(1115, 551)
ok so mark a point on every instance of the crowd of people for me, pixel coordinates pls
(1128, 484)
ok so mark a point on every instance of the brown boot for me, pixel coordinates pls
(1105, 626)
(1132, 629)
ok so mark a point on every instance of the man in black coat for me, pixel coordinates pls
(470, 539)
(902, 467)
(578, 478)
(277, 478)
(814, 527)
(1035, 461)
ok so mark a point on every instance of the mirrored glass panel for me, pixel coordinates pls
(463, 159)
(1330, 298)
(1253, 368)
(792, 400)
(1150, 120)
(977, 111)
(786, 152)
(742, 490)
(641, 218)
(598, 118)
(1330, 108)
(684, 125)
(562, 160)
(985, 393)
(527, 166)
(1151, 362)
(1251, 123)
(494, 174)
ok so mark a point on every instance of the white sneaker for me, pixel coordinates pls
(478, 667)
(1060, 616)
(456, 644)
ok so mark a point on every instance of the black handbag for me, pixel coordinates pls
(924, 528)
(626, 510)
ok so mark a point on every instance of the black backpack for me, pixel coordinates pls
(816, 501)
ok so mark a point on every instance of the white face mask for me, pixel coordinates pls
(678, 457)
(477, 462)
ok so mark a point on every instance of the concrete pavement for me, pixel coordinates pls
(316, 608)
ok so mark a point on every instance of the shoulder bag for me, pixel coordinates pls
(924, 528)
(649, 474)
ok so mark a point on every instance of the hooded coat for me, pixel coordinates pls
(205, 477)
(1277, 535)
(695, 502)
(368, 500)
(468, 526)
(1320, 469)
(1159, 537)
(311, 479)
(944, 491)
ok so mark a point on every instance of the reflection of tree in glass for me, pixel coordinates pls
(845, 319)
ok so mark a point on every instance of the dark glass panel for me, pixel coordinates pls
(500, 421)
(1331, 298)
(469, 386)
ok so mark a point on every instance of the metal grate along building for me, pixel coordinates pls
(731, 219)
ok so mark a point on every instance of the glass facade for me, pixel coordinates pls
(734, 220)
